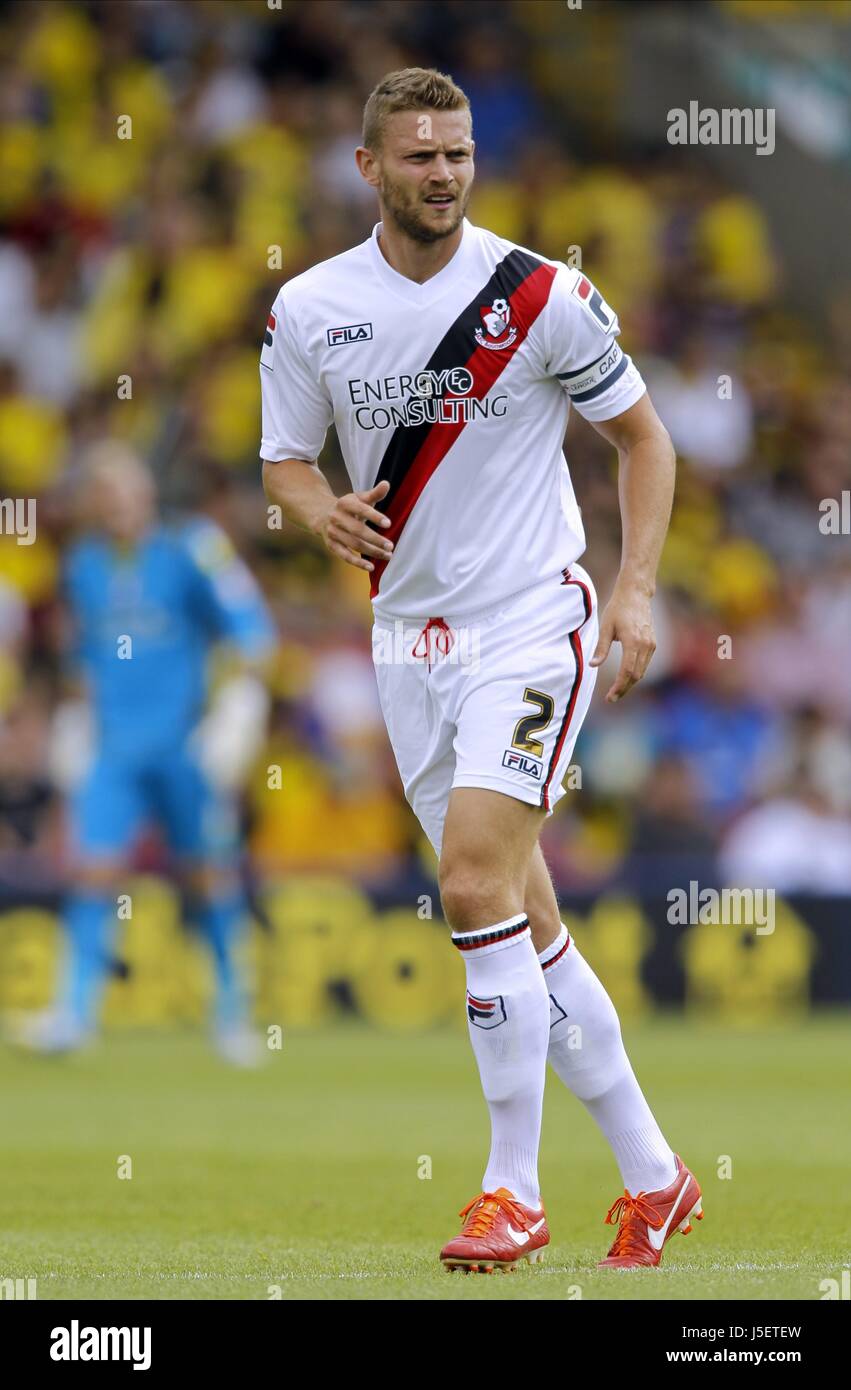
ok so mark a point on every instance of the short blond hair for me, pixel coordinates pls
(409, 89)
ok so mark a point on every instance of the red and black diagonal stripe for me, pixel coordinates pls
(415, 451)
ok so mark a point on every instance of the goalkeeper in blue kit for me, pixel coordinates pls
(145, 744)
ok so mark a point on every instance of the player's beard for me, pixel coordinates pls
(407, 212)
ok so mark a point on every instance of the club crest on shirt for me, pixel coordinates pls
(498, 330)
(486, 1013)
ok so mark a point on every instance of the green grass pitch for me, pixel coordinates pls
(304, 1175)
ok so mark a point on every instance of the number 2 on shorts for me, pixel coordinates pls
(533, 723)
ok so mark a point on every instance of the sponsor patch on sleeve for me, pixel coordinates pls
(594, 304)
(269, 342)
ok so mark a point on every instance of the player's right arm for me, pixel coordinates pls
(342, 523)
(297, 411)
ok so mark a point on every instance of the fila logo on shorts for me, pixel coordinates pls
(519, 762)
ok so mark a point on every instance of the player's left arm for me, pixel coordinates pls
(646, 473)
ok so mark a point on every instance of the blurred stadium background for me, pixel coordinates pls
(150, 257)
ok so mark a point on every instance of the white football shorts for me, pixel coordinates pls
(493, 699)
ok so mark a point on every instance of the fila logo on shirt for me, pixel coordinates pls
(486, 1013)
(496, 318)
(350, 333)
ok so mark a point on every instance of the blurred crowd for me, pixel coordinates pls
(136, 272)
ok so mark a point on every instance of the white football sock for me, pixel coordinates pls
(508, 1016)
(586, 1050)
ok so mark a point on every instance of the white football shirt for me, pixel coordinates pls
(457, 391)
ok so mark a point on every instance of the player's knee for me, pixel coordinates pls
(544, 920)
(460, 895)
(472, 899)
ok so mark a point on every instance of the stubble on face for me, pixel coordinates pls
(406, 211)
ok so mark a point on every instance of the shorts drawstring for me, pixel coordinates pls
(444, 639)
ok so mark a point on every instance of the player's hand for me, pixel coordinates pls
(71, 743)
(230, 736)
(626, 619)
(346, 533)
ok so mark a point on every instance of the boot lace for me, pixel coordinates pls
(484, 1210)
(630, 1212)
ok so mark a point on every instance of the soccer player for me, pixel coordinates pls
(448, 358)
(148, 603)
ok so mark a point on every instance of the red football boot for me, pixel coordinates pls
(651, 1218)
(498, 1232)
